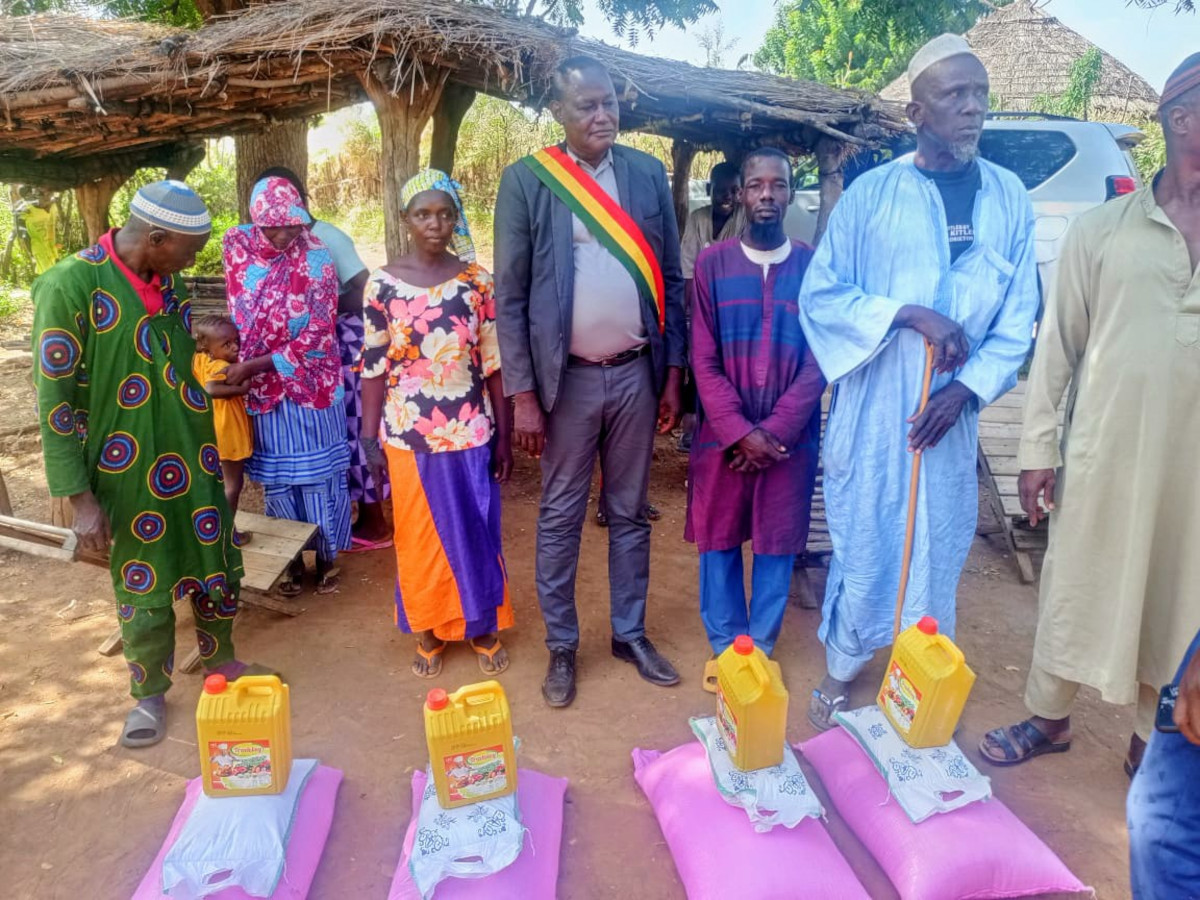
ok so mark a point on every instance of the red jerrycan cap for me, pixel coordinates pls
(215, 684)
(437, 699)
(928, 625)
(743, 645)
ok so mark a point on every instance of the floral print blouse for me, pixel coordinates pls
(436, 346)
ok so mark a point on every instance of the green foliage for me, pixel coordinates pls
(630, 19)
(208, 260)
(12, 301)
(1151, 154)
(1180, 5)
(858, 43)
(1076, 100)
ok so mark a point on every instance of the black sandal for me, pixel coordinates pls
(1019, 743)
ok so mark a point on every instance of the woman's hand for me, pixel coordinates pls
(502, 458)
(376, 458)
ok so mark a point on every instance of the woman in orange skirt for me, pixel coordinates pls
(431, 392)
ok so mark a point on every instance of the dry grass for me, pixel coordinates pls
(138, 84)
(1029, 53)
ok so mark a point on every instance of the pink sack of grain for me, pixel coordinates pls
(534, 875)
(314, 816)
(716, 850)
(976, 852)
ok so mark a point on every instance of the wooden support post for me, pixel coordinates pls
(402, 118)
(455, 102)
(184, 160)
(94, 198)
(283, 144)
(682, 154)
(830, 154)
(5, 503)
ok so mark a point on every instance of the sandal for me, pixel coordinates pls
(1018, 743)
(1133, 758)
(486, 657)
(143, 728)
(362, 545)
(242, 538)
(822, 707)
(290, 585)
(329, 582)
(710, 676)
(653, 513)
(433, 661)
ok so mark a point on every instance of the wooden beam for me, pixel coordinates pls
(402, 118)
(452, 108)
(61, 174)
(94, 199)
(829, 168)
(682, 155)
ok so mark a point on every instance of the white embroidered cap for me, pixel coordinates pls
(941, 47)
(173, 206)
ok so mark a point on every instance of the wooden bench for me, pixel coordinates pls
(276, 543)
(999, 440)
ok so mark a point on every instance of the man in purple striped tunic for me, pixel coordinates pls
(754, 457)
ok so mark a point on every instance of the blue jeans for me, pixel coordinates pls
(723, 606)
(1164, 816)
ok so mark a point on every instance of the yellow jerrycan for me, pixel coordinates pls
(244, 728)
(752, 705)
(470, 738)
(925, 686)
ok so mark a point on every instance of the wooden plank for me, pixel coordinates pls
(1012, 506)
(113, 644)
(1000, 413)
(1004, 465)
(994, 447)
(282, 528)
(1025, 566)
(1010, 431)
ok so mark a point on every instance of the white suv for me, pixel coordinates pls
(1067, 165)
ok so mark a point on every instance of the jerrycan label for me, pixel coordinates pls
(727, 723)
(239, 765)
(480, 773)
(900, 698)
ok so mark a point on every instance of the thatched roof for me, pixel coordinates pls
(1029, 54)
(78, 89)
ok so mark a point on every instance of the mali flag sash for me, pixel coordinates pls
(604, 218)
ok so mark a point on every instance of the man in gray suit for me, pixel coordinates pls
(590, 361)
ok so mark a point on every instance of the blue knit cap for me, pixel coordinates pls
(172, 206)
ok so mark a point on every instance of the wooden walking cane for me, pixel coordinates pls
(912, 498)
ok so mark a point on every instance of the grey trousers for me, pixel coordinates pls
(612, 411)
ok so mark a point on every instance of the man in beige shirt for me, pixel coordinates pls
(1118, 600)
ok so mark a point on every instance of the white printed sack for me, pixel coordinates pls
(235, 842)
(467, 842)
(778, 795)
(924, 782)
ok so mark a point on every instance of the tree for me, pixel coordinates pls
(1180, 5)
(1076, 100)
(713, 42)
(630, 19)
(859, 43)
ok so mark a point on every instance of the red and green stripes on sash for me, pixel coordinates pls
(604, 218)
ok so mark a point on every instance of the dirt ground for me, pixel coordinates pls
(85, 817)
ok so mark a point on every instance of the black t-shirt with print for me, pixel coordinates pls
(958, 190)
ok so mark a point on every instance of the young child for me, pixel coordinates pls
(216, 348)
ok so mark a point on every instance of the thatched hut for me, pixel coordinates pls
(1029, 54)
(136, 95)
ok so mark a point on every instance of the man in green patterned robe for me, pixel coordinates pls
(128, 437)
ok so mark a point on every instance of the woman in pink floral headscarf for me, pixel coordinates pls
(431, 391)
(283, 293)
